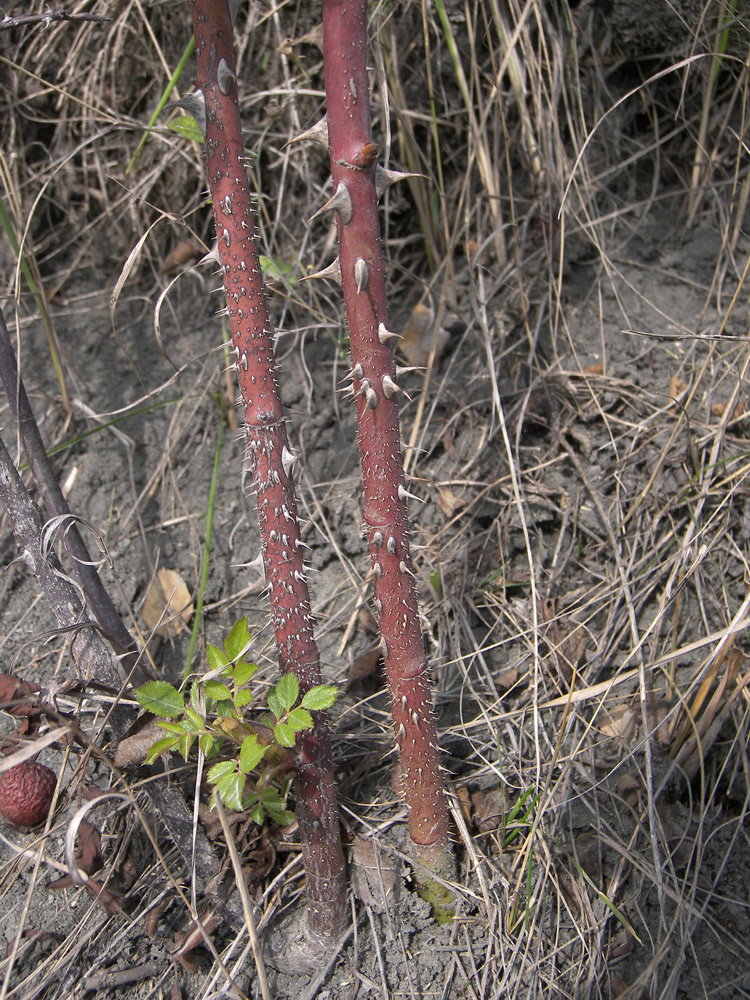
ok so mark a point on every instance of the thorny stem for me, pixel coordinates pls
(214, 105)
(374, 376)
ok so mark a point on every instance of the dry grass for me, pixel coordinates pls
(581, 443)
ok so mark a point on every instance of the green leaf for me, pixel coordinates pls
(160, 747)
(221, 770)
(238, 639)
(224, 708)
(284, 734)
(184, 743)
(187, 127)
(172, 727)
(217, 690)
(206, 743)
(279, 814)
(193, 721)
(160, 698)
(287, 690)
(251, 753)
(217, 658)
(274, 703)
(277, 269)
(319, 698)
(230, 789)
(243, 698)
(256, 813)
(243, 671)
(273, 803)
(299, 719)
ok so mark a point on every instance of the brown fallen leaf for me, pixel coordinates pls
(375, 875)
(629, 789)
(676, 388)
(14, 694)
(183, 256)
(490, 809)
(717, 410)
(567, 641)
(620, 723)
(464, 801)
(419, 335)
(449, 502)
(596, 369)
(363, 666)
(167, 607)
(193, 937)
(132, 750)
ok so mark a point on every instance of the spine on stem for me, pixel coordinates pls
(214, 105)
(357, 182)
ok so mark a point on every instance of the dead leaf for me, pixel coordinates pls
(629, 789)
(507, 678)
(167, 607)
(490, 809)
(620, 724)
(366, 621)
(89, 855)
(13, 694)
(193, 937)
(363, 666)
(184, 255)
(567, 641)
(419, 335)
(717, 410)
(464, 800)
(618, 988)
(676, 388)
(449, 502)
(472, 249)
(132, 750)
(597, 369)
(375, 875)
(659, 720)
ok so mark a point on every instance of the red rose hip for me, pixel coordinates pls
(26, 792)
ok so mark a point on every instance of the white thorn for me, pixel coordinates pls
(403, 493)
(288, 461)
(224, 75)
(317, 133)
(340, 202)
(371, 398)
(390, 546)
(390, 388)
(212, 257)
(333, 271)
(385, 335)
(361, 274)
(357, 370)
(384, 178)
(403, 568)
(195, 105)
(377, 539)
(403, 371)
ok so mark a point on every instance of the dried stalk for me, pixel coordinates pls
(357, 182)
(214, 106)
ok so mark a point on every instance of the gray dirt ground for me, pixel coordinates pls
(649, 319)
